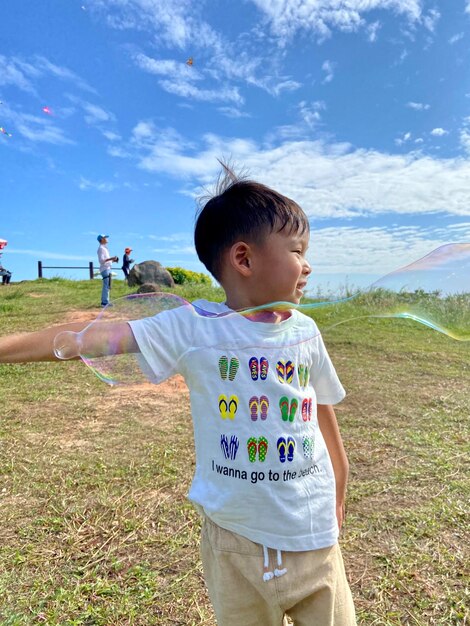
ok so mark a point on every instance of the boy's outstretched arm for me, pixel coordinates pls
(330, 431)
(39, 346)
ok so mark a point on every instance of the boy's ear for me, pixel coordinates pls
(241, 258)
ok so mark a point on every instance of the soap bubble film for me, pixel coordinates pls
(433, 291)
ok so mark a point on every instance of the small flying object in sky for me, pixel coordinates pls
(47, 110)
(2, 130)
(189, 61)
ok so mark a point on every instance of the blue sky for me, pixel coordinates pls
(357, 109)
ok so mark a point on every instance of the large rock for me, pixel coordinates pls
(150, 272)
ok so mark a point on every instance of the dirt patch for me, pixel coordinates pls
(79, 316)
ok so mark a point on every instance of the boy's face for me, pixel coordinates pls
(280, 267)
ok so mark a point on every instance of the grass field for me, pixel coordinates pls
(94, 525)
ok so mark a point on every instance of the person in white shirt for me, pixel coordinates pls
(271, 470)
(105, 261)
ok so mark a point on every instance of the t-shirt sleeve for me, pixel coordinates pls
(162, 341)
(326, 383)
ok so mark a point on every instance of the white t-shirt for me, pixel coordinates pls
(262, 466)
(103, 254)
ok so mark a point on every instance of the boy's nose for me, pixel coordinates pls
(307, 269)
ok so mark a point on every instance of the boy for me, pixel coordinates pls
(271, 470)
(105, 261)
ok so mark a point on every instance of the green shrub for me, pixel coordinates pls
(182, 276)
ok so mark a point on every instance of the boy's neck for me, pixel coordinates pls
(267, 315)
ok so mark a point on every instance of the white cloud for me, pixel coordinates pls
(403, 139)
(45, 66)
(456, 38)
(185, 89)
(176, 250)
(118, 152)
(467, 8)
(233, 112)
(323, 16)
(167, 67)
(174, 237)
(171, 22)
(12, 74)
(310, 113)
(329, 180)
(465, 140)
(439, 132)
(105, 187)
(465, 134)
(95, 114)
(418, 106)
(372, 31)
(110, 136)
(371, 250)
(41, 132)
(23, 73)
(430, 20)
(329, 68)
(49, 255)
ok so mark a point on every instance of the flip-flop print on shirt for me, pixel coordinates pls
(281, 449)
(264, 406)
(308, 444)
(223, 406)
(233, 368)
(289, 372)
(281, 370)
(232, 406)
(253, 405)
(262, 448)
(264, 368)
(290, 448)
(252, 447)
(229, 447)
(223, 367)
(293, 409)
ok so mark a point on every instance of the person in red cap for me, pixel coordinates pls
(126, 262)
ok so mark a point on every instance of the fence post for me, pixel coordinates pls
(39, 269)
(90, 265)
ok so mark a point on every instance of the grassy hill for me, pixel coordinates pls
(95, 528)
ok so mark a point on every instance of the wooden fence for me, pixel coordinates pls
(42, 267)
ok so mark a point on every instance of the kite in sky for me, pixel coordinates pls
(47, 110)
(189, 61)
(2, 130)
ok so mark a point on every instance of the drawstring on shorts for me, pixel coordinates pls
(279, 571)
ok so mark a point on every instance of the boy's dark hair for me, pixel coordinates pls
(242, 210)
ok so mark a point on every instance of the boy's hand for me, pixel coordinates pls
(115, 259)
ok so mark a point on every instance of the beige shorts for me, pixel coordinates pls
(313, 592)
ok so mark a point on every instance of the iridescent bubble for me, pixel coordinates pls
(434, 291)
(101, 344)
